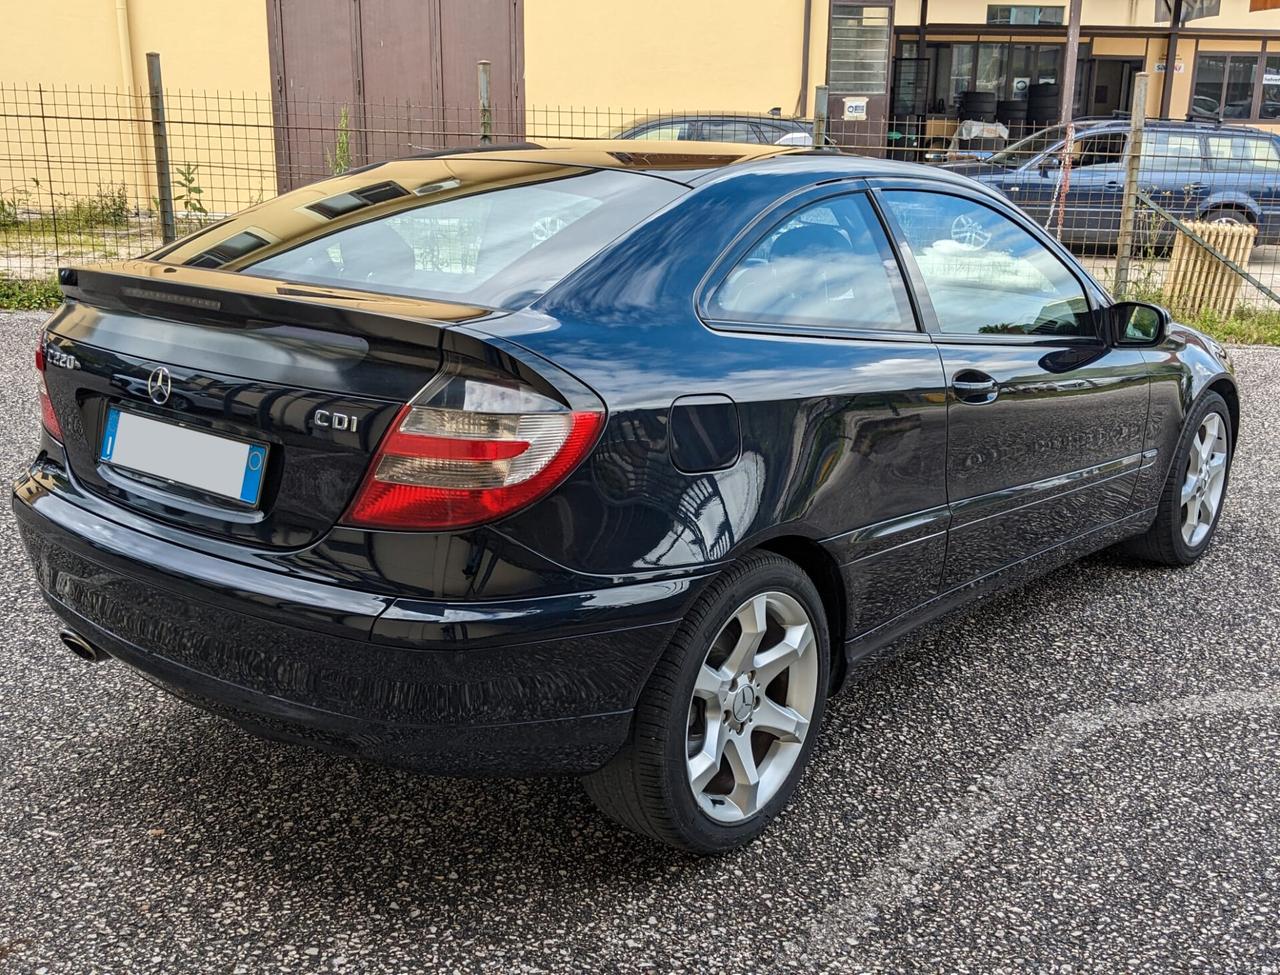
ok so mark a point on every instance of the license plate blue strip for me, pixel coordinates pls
(253, 466)
(109, 437)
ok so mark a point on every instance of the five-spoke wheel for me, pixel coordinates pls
(1191, 503)
(726, 723)
(1205, 479)
(751, 706)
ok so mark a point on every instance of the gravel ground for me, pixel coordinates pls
(1080, 776)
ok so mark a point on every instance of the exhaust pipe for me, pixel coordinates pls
(81, 647)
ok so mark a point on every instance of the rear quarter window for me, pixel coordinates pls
(1243, 153)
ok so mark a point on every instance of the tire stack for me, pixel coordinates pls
(1042, 105)
(1013, 114)
(980, 106)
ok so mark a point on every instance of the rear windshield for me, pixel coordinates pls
(487, 233)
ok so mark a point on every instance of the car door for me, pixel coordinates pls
(1080, 203)
(815, 308)
(1093, 190)
(1244, 177)
(1033, 186)
(1045, 420)
(1172, 170)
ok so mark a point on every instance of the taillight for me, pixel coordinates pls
(47, 416)
(471, 451)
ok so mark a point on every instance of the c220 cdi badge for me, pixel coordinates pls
(596, 460)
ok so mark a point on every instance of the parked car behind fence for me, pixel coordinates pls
(1193, 170)
(702, 127)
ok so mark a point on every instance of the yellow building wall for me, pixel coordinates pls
(208, 45)
(1121, 47)
(610, 61)
(61, 66)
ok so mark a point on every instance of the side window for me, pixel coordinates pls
(772, 133)
(1164, 151)
(1105, 149)
(1233, 152)
(664, 131)
(985, 274)
(828, 265)
(727, 130)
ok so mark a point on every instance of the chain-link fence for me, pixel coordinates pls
(80, 181)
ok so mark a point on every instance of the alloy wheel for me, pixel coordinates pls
(1205, 479)
(752, 706)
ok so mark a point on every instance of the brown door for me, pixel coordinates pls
(403, 70)
(399, 52)
(469, 32)
(315, 74)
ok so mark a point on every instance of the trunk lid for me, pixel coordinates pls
(313, 375)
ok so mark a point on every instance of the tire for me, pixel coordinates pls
(978, 105)
(1227, 215)
(648, 786)
(1166, 542)
(1042, 103)
(1012, 113)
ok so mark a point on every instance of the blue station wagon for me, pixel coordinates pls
(1195, 170)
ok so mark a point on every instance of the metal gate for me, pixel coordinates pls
(355, 81)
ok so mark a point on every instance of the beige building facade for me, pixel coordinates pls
(259, 89)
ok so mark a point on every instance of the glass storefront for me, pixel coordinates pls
(1008, 68)
(1270, 107)
(1234, 86)
(1225, 85)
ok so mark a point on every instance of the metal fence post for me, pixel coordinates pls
(486, 107)
(160, 136)
(1132, 162)
(48, 174)
(820, 116)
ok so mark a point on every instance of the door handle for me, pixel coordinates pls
(974, 387)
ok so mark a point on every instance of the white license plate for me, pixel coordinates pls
(180, 455)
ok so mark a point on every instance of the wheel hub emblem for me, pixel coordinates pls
(159, 385)
(744, 703)
(969, 233)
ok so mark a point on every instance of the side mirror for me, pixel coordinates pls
(1136, 324)
(1048, 163)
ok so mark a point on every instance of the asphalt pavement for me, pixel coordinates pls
(1080, 776)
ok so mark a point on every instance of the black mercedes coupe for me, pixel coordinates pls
(607, 460)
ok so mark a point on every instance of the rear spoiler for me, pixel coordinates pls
(231, 300)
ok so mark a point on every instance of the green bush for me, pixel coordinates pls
(29, 293)
(1245, 326)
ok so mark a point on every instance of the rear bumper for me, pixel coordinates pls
(543, 685)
